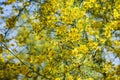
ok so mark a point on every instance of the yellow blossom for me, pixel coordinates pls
(57, 79)
(23, 16)
(74, 51)
(11, 1)
(116, 13)
(83, 49)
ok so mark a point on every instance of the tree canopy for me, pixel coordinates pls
(60, 40)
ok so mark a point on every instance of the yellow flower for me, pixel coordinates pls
(102, 41)
(23, 16)
(73, 35)
(80, 25)
(92, 1)
(75, 12)
(79, 79)
(83, 49)
(69, 76)
(92, 45)
(26, 3)
(116, 13)
(107, 68)
(69, 3)
(11, 1)
(116, 43)
(74, 51)
(90, 79)
(57, 79)
(1, 58)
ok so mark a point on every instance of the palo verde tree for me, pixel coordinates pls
(60, 40)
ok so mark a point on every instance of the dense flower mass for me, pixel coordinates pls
(61, 40)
